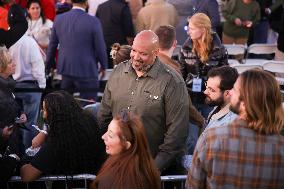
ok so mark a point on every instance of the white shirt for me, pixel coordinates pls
(36, 30)
(93, 6)
(26, 55)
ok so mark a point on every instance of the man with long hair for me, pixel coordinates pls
(248, 153)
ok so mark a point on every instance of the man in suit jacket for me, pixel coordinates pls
(81, 48)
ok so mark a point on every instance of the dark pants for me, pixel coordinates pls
(88, 87)
(176, 168)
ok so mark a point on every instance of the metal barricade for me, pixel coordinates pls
(81, 177)
(179, 180)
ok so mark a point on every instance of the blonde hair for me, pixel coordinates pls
(264, 110)
(202, 21)
(5, 58)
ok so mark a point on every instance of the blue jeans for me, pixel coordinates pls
(193, 131)
(30, 103)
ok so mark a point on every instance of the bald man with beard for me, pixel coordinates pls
(155, 92)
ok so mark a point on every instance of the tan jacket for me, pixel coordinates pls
(135, 6)
(156, 13)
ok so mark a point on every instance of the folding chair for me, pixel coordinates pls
(244, 67)
(273, 66)
(259, 49)
(233, 50)
(276, 67)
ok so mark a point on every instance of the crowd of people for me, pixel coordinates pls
(157, 107)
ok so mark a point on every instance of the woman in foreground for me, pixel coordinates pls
(130, 164)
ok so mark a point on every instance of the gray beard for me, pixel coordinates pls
(143, 69)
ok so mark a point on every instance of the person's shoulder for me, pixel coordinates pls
(234, 128)
(122, 65)
(170, 7)
(255, 4)
(48, 23)
(165, 69)
(23, 41)
(121, 68)
(91, 18)
(29, 40)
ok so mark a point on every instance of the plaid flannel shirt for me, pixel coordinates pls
(234, 156)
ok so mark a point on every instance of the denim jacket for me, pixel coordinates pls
(222, 117)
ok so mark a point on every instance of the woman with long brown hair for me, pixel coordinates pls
(130, 164)
(201, 52)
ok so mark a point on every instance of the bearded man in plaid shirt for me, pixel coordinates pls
(249, 152)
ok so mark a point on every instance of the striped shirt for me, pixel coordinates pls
(235, 156)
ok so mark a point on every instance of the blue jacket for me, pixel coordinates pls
(81, 44)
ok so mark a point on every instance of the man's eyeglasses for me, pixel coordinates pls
(211, 90)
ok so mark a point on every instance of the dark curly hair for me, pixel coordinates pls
(73, 135)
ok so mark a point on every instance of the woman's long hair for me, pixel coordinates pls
(29, 3)
(133, 167)
(202, 21)
(261, 95)
(73, 135)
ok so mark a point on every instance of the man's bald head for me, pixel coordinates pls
(149, 38)
(144, 50)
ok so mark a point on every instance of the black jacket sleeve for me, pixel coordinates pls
(7, 167)
(18, 26)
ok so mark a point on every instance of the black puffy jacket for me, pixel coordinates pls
(192, 67)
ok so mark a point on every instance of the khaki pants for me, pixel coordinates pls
(231, 40)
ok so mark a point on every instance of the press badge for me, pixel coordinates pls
(196, 84)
